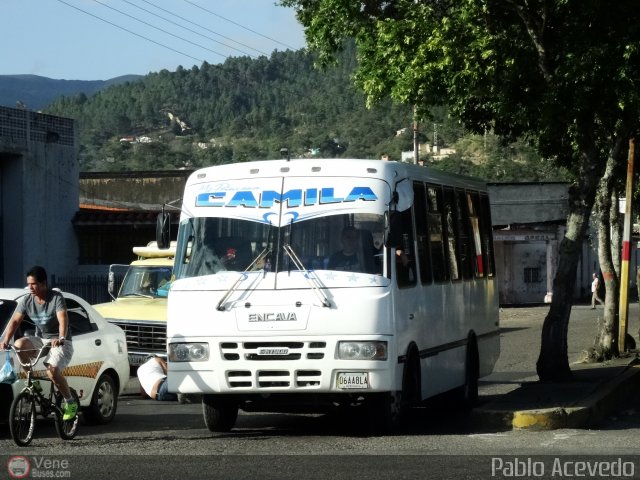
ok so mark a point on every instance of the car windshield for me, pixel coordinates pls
(347, 242)
(146, 281)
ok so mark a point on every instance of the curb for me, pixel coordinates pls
(608, 396)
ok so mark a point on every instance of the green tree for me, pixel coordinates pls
(563, 74)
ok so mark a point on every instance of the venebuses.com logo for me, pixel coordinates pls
(18, 467)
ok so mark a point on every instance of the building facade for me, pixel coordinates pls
(38, 194)
(529, 222)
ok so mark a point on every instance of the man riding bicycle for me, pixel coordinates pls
(48, 311)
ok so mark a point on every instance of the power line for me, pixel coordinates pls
(133, 33)
(237, 77)
(203, 27)
(239, 25)
(160, 29)
(186, 28)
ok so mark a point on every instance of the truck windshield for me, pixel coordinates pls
(146, 281)
(347, 242)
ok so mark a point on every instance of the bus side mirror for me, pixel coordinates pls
(163, 226)
(111, 283)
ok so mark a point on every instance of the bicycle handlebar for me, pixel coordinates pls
(32, 361)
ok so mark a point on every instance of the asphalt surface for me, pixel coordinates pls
(514, 398)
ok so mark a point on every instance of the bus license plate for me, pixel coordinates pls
(353, 380)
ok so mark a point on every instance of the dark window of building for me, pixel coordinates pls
(532, 275)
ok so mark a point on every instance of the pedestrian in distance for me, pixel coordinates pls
(48, 311)
(595, 284)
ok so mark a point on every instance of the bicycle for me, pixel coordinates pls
(22, 416)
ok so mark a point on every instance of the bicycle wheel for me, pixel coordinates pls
(22, 418)
(66, 428)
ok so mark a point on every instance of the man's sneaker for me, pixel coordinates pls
(70, 411)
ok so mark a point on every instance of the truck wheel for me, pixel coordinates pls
(220, 412)
(104, 401)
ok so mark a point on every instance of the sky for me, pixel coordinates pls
(103, 39)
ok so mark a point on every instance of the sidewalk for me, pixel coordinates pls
(596, 391)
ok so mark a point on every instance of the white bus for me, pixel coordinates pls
(308, 285)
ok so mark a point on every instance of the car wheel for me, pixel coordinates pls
(104, 401)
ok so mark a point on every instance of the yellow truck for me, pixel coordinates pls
(140, 306)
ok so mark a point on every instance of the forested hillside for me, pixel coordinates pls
(35, 92)
(249, 109)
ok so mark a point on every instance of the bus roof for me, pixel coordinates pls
(332, 167)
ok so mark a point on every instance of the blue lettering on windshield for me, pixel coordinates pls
(292, 198)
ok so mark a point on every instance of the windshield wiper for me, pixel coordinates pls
(262, 255)
(308, 274)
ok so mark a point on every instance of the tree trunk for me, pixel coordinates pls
(553, 361)
(605, 345)
(609, 244)
(616, 231)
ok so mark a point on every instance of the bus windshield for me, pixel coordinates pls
(346, 242)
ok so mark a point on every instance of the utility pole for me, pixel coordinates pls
(416, 144)
(623, 307)
(435, 138)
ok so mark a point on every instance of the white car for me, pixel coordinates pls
(99, 369)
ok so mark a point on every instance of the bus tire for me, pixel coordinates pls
(385, 412)
(468, 393)
(412, 379)
(220, 412)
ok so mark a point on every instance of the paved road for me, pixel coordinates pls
(163, 439)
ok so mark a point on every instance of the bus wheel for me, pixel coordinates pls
(468, 393)
(385, 412)
(411, 380)
(220, 412)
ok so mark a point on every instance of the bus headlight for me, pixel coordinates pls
(188, 352)
(362, 350)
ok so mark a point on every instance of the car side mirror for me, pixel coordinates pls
(111, 283)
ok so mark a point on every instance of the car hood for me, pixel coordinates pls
(134, 309)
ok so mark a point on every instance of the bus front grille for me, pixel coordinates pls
(272, 351)
(274, 379)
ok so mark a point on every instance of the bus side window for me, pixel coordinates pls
(465, 235)
(405, 256)
(452, 249)
(422, 233)
(436, 232)
(486, 236)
